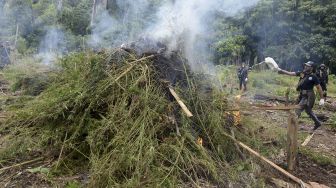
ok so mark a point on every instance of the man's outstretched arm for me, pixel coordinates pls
(280, 71)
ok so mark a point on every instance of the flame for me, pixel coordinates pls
(238, 97)
(236, 117)
(199, 141)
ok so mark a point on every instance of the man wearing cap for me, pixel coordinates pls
(322, 74)
(305, 86)
(242, 74)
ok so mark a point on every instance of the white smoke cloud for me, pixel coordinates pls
(52, 46)
(127, 24)
(183, 25)
(186, 25)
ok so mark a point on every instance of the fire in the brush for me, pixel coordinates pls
(236, 118)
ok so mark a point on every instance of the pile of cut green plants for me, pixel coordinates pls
(110, 113)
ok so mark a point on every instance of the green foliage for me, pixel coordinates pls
(73, 184)
(116, 119)
(76, 18)
(290, 31)
(231, 49)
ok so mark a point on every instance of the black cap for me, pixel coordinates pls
(310, 64)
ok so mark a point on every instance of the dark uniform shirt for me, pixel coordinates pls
(307, 81)
(322, 74)
(242, 73)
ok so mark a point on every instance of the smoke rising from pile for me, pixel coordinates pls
(52, 46)
(182, 25)
(126, 24)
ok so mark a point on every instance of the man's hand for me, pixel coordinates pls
(321, 103)
(246, 79)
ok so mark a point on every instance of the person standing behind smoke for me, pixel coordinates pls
(322, 74)
(305, 86)
(242, 74)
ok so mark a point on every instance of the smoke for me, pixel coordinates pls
(127, 23)
(182, 25)
(52, 46)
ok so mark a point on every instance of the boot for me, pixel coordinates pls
(317, 125)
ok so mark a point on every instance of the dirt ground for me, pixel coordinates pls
(323, 142)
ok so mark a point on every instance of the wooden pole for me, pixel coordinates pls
(16, 35)
(21, 164)
(307, 140)
(258, 155)
(290, 107)
(180, 102)
(292, 130)
(292, 146)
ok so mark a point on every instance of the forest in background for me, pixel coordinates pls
(291, 31)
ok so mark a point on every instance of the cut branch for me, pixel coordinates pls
(21, 164)
(307, 140)
(180, 102)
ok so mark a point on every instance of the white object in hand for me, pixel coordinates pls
(321, 103)
(246, 79)
(272, 64)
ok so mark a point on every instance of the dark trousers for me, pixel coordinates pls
(306, 103)
(242, 83)
(324, 88)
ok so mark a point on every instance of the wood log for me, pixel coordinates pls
(290, 107)
(271, 98)
(292, 130)
(307, 140)
(284, 172)
(180, 102)
(258, 155)
(21, 164)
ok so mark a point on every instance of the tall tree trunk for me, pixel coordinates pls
(60, 5)
(16, 34)
(94, 9)
(97, 6)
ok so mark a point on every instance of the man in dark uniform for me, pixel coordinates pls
(305, 86)
(242, 74)
(322, 74)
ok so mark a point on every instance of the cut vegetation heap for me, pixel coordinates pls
(110, 113)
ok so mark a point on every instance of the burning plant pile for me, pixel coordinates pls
(111, 113)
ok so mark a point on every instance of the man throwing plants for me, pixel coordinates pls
(305, 86)
(242, 74)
